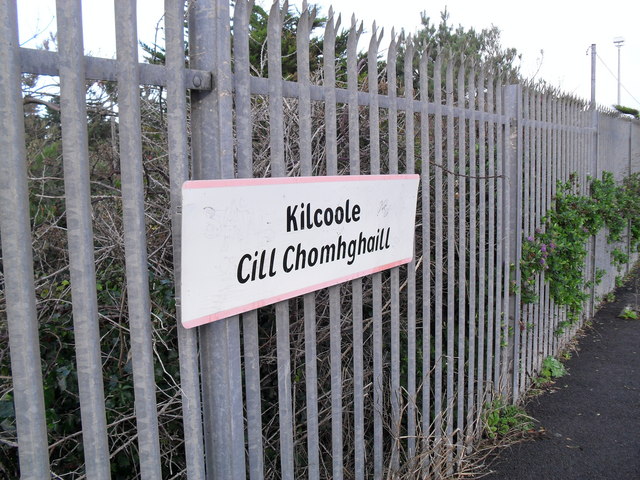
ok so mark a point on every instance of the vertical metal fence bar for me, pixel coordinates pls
(563, 124)
(564, 175)
(374, 135)
(278, 169)
(545, 207)
(538, 214)
(439, 227)
(535, 205)
(514, 214)
(451, 265)
(463, 299)
(395, 394)
(473, 256)
(491, 236)
(311, 372)
(601, 155)
(250, 335)
(561, 311)
(502, 243)
(22, 318)
(542, 302)
(513, 162)
(334, 292)
(242, 91)
(582, 143)
(178, 173)
(529, 219)
(356, 285)
(204, 109)
(482, 244)
(593, 147)
(205, 159)
(504, 202)
(130, 134)
(523, 327)
(411, 268)
(550, 195)
(425, 172)
(560, 176)
(553, 179)
(213, 158)
(572, 155)
(230, 328)
(544, 299)
(562, 172)
(80, 237)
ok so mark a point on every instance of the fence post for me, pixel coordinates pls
(209, 44)
(512, 211)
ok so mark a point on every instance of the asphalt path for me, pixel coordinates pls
(591, 419)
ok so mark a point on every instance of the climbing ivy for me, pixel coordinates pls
(559, 247)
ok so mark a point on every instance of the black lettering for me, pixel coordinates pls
(272, 272)
(261, 273)
(317, 221)
(241, 278)
(327, 253)
(339, 215)
(285, 267)
(328, 216)
(362, 244)
(388, 232)
(253, 267)
(309, 224)
(300, 254)
(352, 251)
(355, 213)
(371, 243)
(342, 248)
(313, 257)
(292, 222)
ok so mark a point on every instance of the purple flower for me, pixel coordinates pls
(543, 248)
(530, 238)
(552, 245)
(542, 261)
(585, 229)
(538, 230)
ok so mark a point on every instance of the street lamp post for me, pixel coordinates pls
(618, 42)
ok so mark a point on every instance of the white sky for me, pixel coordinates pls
(562, 29)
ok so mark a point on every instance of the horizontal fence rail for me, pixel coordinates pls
(385, 376)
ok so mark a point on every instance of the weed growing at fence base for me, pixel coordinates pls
(559, 248)
(501, 419)
(551, 369)
(629, 313)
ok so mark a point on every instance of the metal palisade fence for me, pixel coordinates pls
(385, 376)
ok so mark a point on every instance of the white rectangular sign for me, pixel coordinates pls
(247, 243)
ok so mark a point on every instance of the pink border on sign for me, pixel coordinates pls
(278, 298)
(242, 182)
